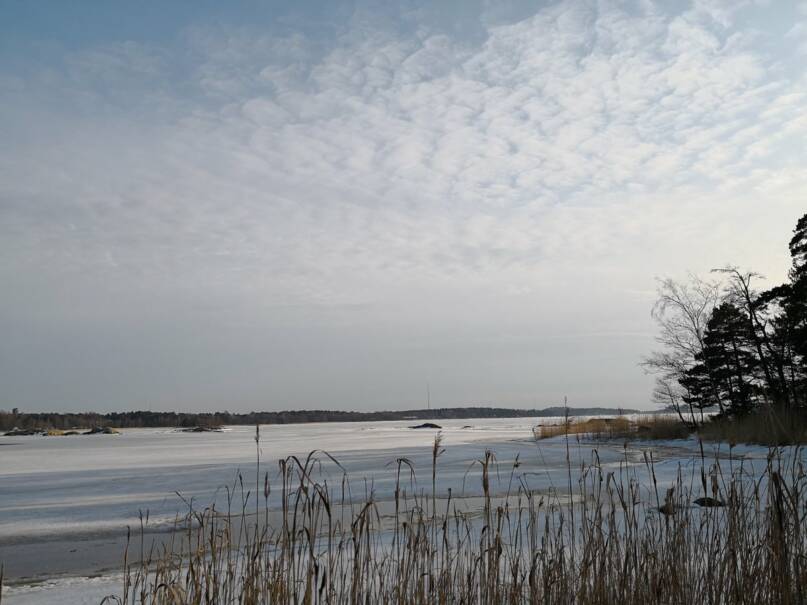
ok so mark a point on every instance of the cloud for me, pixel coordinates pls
(581, 149)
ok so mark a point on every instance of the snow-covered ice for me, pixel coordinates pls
(65, 502)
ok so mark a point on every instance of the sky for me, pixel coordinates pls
(272, 205)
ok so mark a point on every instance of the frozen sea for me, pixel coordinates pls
(66, 502)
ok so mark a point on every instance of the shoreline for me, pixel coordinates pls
(68, 421)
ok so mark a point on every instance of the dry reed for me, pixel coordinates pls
(619, 428)
(608, 546)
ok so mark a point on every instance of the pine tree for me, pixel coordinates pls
(725, 371)
(699, 393)
(730, 360)
(795, 311)
(796, 304)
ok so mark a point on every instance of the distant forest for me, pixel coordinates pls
(729, 346)
(142, 419)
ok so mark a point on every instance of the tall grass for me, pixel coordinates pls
(618, 428)
(325, 546)
(767, 426)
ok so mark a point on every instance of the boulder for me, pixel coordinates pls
(202, 429)
(101, 430)
(15, 432)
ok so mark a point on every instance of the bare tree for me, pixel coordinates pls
(682, 312)
(670, 394)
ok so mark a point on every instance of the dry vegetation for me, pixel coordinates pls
(648, 427)
(765, 427)
(610, 546)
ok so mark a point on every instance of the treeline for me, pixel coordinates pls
(144, 419)
(732, 347)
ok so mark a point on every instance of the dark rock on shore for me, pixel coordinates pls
(106, 430)
(101, 430)
(15, 432)
(426, 425)
(202, 429)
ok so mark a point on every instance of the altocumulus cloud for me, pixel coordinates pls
(290, 215)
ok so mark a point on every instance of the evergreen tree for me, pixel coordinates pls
(795, 311)
(730, 360)
(724, 372)
(796, 304)
(699, 393)
(738, 349)
(786, 307)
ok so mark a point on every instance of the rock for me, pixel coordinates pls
(15, 432)
(101, 430)
(202, 429)
(426, 425)
(709, 502)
